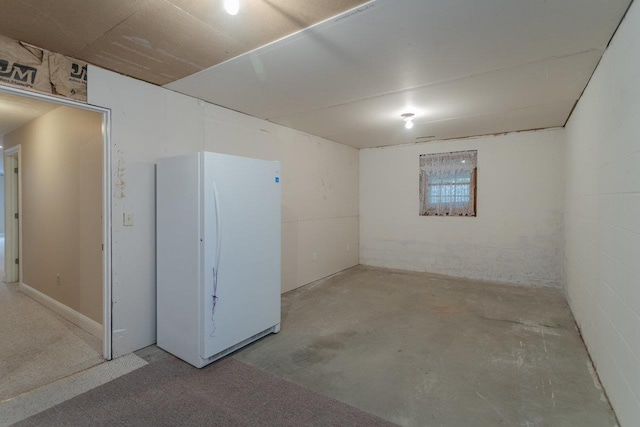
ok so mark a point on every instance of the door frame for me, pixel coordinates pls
(106, 201)
(12, 206)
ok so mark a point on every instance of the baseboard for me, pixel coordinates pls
(80, 320)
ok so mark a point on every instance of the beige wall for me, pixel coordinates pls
(1, 189)
(1, 201)
(62, 207)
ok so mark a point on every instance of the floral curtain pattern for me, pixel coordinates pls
(448, 183)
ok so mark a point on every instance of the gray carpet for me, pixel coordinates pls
(227, 393)
(45, 397)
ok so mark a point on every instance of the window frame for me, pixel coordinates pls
(428, 208)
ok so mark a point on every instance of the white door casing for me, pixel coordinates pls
(12, 156)
(12, 207)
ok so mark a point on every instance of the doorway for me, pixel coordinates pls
(57, 224)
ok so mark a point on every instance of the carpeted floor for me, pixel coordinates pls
(37, 346)
(45, 397)
(170, 392)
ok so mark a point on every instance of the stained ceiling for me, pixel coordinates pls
(463, 67)
(158, 41)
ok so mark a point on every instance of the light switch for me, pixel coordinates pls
(127, 218)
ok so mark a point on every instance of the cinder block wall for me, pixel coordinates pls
(517, 234)
(602, 237)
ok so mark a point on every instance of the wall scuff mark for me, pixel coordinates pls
(120, 182)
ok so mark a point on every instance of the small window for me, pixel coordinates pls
(448, 183)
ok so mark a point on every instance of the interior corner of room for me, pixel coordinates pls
(536, 279)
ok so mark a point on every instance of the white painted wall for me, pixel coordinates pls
(517, 234)
(602, 223)
(319, 190)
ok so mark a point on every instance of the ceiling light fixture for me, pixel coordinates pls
(232, 6)
(408, 120)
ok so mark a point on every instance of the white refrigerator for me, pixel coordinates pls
(218, 254)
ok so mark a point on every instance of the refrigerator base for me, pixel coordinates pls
(201, 362)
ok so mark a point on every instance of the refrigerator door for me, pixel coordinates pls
(241, 256)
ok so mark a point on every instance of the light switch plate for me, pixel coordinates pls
(127, 218)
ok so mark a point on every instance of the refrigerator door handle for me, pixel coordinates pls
(216, 203)
(216, 261)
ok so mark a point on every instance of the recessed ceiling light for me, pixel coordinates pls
(232, 6)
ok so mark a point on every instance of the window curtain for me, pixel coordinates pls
(448, 183)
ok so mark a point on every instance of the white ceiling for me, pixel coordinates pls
(463, 67)
(16, 111)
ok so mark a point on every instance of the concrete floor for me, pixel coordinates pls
(426, 350)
